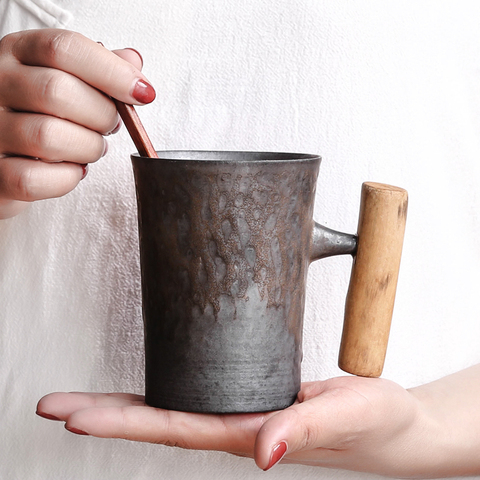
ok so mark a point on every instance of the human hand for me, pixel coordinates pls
(370, 425)
(55, 110)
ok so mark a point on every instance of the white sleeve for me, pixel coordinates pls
(16, 15)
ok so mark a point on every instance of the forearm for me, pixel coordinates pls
(449, 425)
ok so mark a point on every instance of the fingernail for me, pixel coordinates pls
(143, 92)
(278, 453)
(47, 416)
(77, 431)
(137, 52)
(105, 148)
(85, 171)
(118, 126)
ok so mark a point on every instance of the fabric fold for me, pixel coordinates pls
(50, 14)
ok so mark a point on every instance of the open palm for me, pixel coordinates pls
(344, 422)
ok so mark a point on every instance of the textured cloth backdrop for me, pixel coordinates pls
(384, 91)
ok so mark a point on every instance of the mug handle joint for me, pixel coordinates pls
(326, 242)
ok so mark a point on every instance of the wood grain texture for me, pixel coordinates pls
(135, 129)
(373, 283)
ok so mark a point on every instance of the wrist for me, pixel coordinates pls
(447, 427)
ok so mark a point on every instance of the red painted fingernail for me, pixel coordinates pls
(47, 416)
(143, 92)
(77, 431)
(137, 52)
(85, 171)
(278, 453)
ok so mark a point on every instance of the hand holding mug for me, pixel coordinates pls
(354, 423)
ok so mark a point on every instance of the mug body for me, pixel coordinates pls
(224, 251)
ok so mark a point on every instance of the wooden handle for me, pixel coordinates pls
(373, 284)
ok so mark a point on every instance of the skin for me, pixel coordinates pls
(361, 424)
(55, 111)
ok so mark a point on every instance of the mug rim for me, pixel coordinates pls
(228, 156)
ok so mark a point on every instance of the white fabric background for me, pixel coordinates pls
(384, 91)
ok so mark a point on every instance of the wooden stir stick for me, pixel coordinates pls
(134, 126)
(136, 129)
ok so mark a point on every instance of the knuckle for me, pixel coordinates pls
(59, 44)
(55, 87)
(7, 42)
(308, 438)
(24, 185)
(304, 423)
(43, 135)
(309, 433)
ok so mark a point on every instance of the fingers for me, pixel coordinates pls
(27, 180)
(349, 422)
(49, 138)
(55, 105)
(54, 92)
(62, 405)
(79, 56)
(127, 417)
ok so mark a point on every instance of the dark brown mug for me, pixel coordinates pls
(225, 243)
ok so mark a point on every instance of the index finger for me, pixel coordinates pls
(76, 54)
(127, 417)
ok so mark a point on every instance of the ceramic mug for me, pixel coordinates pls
(226, 239)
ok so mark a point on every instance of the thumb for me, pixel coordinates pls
(324, 418)
(291, 430)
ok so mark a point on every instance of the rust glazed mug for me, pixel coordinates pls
(226, 239)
